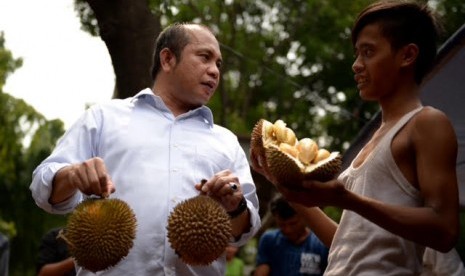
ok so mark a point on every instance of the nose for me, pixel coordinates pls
(357, 66)
(214, 71)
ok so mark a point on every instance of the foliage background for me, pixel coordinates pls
(287, 59)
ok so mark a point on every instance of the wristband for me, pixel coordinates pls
(239, 210)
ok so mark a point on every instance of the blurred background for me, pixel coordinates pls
(283, 59)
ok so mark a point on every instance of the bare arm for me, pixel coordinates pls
(435, 224)
(90, 177)
(322, 225)
(58, 268)
(423, 225)
(240, 224)
(262, 270)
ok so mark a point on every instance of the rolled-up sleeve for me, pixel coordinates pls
(41, 188)
(255, 223)
(242, 169)
(76, 145)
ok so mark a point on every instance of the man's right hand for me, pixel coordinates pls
(90, 177)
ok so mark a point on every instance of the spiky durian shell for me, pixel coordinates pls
(100, 232)
(325, 169)
(199, 229)
(256, 140)
(290, 172)
(286, 169)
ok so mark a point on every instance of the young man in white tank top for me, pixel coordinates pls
(400, 194)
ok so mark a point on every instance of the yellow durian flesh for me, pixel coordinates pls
(290, 161)
(308, 150)
(283, 134)
(279, 128)
(291, 150)
(321, 155)
(268, 132)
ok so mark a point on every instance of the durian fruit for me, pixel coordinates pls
(290, 160)
(100, 233)
(199, 229)
(262, 134)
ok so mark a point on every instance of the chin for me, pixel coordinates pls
(366, 95)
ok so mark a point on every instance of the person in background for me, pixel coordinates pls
(400, 193)
(153, 151)
(234, 265)
(4, 255)
(54, 259)
(292, 249)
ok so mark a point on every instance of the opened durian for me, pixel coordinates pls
(199, 229)
(291, 160)
(100, 232)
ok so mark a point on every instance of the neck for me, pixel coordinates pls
(303, 237)
(173, 104)
(400, 102)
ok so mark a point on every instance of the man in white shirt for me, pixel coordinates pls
(152, 151)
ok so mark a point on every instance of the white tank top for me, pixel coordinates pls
(361, 247)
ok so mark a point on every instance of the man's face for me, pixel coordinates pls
(197, 72)
(292, 228)
(376, 64)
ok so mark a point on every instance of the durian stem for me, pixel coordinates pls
(202, 182)
(61, 235)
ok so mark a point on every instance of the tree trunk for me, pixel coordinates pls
(129, 31)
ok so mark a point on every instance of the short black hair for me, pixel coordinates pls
(281, 208)
(174, 37)
(404, 22)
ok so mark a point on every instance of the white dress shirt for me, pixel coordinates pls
(154, 160)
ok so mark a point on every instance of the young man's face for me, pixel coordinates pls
(376, 65)
(197, 72)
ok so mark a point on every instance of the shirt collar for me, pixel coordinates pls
(148, 96)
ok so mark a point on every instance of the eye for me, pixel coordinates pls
(205, 57)
(367, 52)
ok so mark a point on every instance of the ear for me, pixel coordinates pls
(409, 54)
(167, 59)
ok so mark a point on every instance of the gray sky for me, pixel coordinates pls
(63, 67)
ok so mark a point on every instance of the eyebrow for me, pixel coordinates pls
(364, 45)
(210, 52)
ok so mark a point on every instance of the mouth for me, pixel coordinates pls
(361, 81)
(209, 84)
